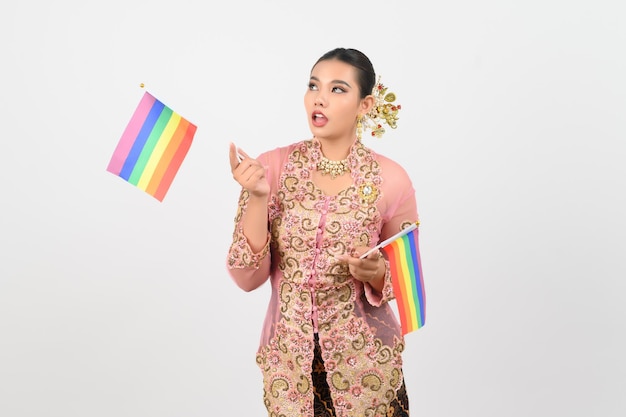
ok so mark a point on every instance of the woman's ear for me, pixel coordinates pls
(366, 104)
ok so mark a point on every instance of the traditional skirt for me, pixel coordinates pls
(323, 404)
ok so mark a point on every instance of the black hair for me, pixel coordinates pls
(366, 76)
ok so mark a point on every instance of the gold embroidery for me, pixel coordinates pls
(368, 193)
(308, 231)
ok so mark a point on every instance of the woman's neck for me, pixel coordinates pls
(336, 150)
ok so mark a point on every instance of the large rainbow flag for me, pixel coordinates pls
(152, 147)
(402, 251)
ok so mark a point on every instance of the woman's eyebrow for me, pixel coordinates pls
(333, 81)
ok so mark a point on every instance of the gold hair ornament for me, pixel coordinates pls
(383, 111)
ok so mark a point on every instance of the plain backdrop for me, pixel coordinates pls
(512, 129)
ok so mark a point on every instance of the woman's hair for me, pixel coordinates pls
(366, 76)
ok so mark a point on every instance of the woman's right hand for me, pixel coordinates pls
(248, 172)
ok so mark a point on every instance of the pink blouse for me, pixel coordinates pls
(312, 292)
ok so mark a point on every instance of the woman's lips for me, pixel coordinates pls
(318, 119)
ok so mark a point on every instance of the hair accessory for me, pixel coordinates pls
(383, 111)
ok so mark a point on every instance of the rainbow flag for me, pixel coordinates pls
(152, 147)
(402, 251)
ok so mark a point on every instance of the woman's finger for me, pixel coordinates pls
(232, 156)
(242, 154)
(376, 255)
(254, 173)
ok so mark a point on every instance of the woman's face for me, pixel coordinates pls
(332, 101)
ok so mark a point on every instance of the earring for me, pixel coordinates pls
(359, 127)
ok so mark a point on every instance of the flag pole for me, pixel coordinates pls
(401, 233)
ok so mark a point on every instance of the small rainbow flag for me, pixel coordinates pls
(402, 251)
(152, 147)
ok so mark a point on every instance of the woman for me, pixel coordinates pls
(331, 345)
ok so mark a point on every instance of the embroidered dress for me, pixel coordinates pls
(313, 294)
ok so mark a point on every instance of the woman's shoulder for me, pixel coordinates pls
(390, 167)
(396, 182)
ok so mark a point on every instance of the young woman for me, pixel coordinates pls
(330, 345)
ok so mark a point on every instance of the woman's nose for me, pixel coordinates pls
(320, 100)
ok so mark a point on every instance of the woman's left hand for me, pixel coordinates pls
(370, 269)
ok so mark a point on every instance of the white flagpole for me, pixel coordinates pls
(401, 233)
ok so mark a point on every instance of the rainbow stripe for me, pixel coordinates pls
(408, 282)
(152, 147)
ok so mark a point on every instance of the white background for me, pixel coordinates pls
(512, 129)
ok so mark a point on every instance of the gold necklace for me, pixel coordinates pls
(333, 168)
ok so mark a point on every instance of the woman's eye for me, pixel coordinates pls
(338, 90)
(312, 87)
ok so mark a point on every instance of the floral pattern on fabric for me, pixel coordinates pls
(240, 254)
(313, 293)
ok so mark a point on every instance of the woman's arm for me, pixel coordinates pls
(248, 260)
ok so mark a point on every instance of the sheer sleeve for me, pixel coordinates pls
(399, 209)
(249, 270)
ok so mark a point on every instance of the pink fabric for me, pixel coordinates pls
(312, 292)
